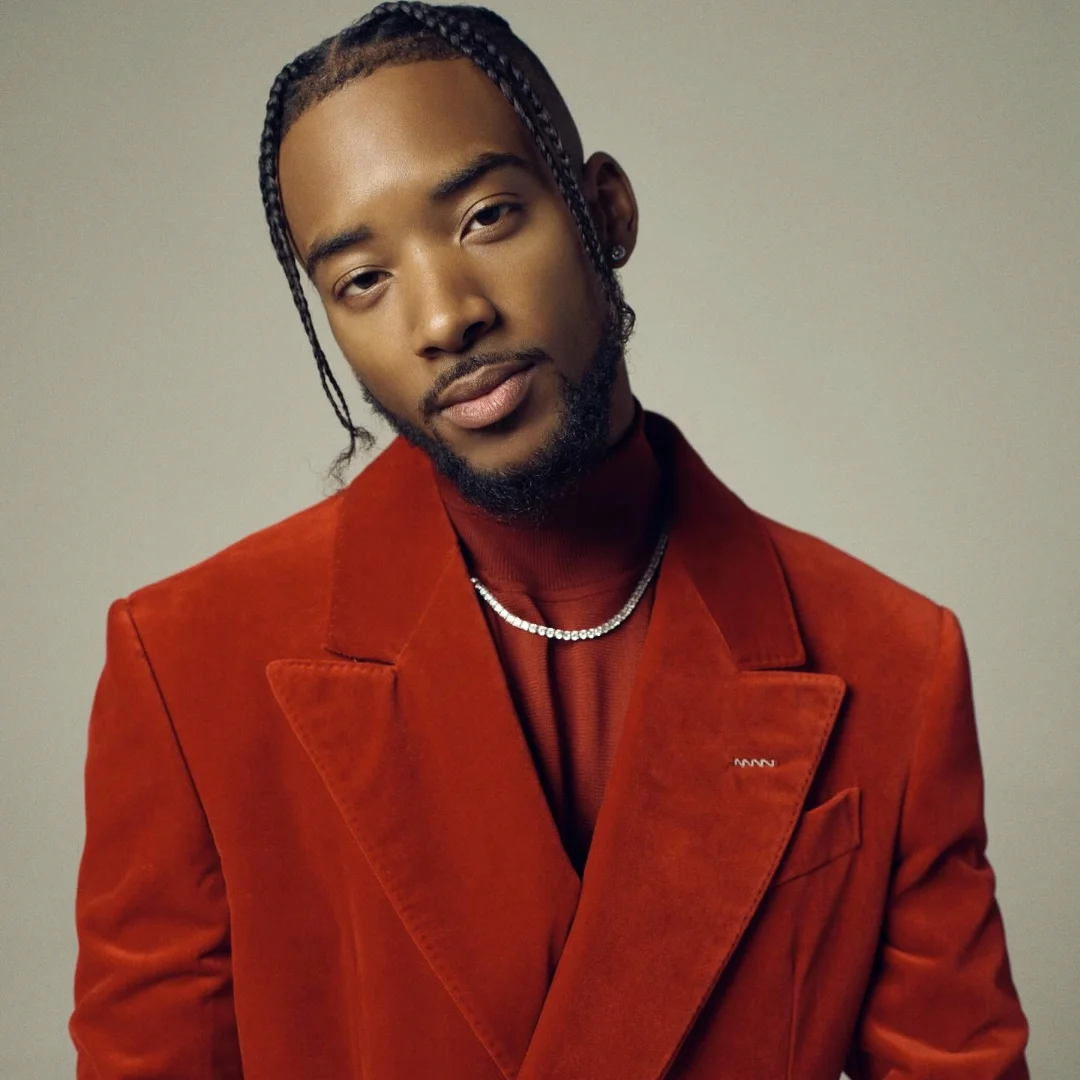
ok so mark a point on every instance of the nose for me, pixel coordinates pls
(450, 311)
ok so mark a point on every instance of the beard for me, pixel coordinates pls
(526, 491)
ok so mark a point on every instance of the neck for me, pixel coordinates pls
(605, 526)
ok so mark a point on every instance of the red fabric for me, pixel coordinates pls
(317, 846)
(574, 571)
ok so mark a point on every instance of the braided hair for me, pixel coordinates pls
(401, 33)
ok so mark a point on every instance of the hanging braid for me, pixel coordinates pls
(275, 217)
(399, 33)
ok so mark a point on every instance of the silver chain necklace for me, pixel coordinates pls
(594, 631)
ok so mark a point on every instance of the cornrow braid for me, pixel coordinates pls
(279, 236)
(402, 32)
(549, 143)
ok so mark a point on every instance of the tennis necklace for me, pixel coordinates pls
(593, 631)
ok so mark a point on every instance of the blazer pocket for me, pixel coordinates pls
(822, 834)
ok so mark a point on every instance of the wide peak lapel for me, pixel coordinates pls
(393, 540)
(688, 836)
(686, 843)
(729, 555)
(422, 752)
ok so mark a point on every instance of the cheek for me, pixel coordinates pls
(379, 367)
(563, 293)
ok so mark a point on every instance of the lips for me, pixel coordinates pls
(479, 383)
(487, 396)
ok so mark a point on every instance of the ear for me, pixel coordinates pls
(611, 202)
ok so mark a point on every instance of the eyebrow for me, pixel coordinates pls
(442, 192)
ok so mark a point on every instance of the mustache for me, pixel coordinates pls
(468, 364)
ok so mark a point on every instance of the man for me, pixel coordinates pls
(533, 752)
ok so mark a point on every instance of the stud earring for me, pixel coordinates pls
(618, 253)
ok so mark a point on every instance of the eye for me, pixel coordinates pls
(490, 216)
(359, 283)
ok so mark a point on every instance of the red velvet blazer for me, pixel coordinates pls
(317, 848)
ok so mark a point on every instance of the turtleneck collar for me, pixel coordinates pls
(606, 526)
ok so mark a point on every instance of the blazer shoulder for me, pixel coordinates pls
(253, 577)
(806, 555)
(844, 604)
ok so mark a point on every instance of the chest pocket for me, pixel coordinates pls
(822, 834)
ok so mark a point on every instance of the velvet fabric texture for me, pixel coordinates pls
(317, 845)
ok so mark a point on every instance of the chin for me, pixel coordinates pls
(506, 445)
(517, 466)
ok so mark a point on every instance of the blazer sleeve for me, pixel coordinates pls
(153, 987)
(941, 1001)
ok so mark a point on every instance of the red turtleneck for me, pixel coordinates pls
(575, 570)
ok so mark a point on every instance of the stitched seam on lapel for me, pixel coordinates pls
(336, 566)
(835, 698)
(799, 656)
(452, 556)
(386, 880)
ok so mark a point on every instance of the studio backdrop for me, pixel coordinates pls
(856, 287)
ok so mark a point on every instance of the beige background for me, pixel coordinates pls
(857, 291)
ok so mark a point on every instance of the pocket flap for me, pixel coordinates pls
(824, 833)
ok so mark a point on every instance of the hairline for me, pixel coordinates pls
(544, 84)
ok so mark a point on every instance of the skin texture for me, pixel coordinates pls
(442, 288)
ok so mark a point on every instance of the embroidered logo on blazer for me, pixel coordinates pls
(755, 762)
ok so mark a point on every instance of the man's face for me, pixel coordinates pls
(487, 279)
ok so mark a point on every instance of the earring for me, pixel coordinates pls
(618, 253)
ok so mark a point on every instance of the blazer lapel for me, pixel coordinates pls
(687, 840)
(414, 733)
(417, 741)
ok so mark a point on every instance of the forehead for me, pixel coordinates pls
(393, 131)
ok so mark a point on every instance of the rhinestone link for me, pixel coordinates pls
(590, 632)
